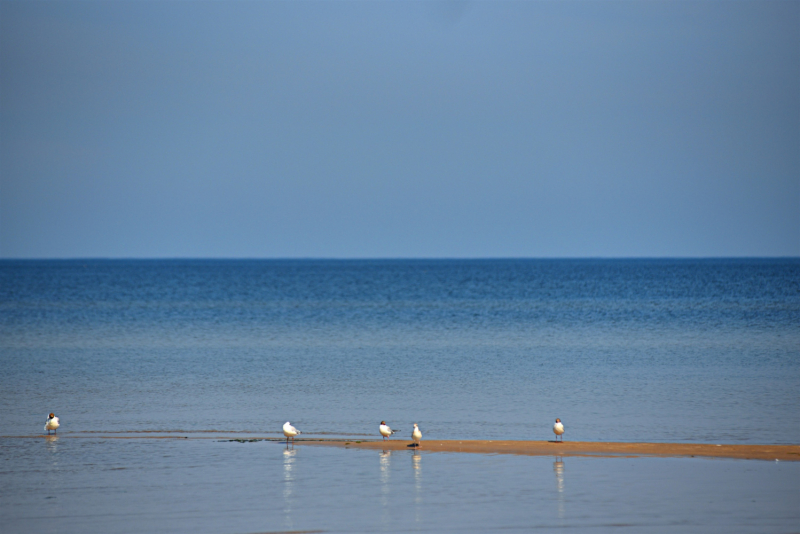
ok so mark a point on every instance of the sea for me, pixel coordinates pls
(153, 366)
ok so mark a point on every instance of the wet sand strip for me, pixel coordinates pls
(581, 448)
(528, 448)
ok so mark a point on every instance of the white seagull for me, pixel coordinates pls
(417, 435)
(290, 432)
(385, 430)
(558, 428)
(52, 424)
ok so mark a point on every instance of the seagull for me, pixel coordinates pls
(52, 424)
(558, 428)
(417, 435)
(385, 430)
(290, 432)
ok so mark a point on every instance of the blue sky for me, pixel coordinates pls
(399, 129)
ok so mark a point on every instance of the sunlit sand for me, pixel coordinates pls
(584, 448)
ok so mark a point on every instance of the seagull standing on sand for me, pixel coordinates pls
(558, 428)
(290, 432)
(416, 435)
(52, 424)
(385, 430)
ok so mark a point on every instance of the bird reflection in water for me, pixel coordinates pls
(558, 468)
(386, 464)
(288, 483)
(416, 463)
(52, 447)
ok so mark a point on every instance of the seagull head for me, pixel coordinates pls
(558, 420)
(383, 422)
(52, 415)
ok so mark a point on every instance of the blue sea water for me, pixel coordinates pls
(627, 350)
(620, 350)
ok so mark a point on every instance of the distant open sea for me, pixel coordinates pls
(621, 350)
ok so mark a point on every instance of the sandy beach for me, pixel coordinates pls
(580, 448)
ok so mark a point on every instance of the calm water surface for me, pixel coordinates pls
(205, 486)
(624, 350)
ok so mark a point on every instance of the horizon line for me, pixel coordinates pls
(386, 258)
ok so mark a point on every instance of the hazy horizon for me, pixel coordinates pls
(409, 258)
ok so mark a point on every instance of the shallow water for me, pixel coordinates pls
(208, 486)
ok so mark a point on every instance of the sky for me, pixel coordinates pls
(381, 129)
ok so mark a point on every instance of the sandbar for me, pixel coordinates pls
(579, 448)
(789, 453)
